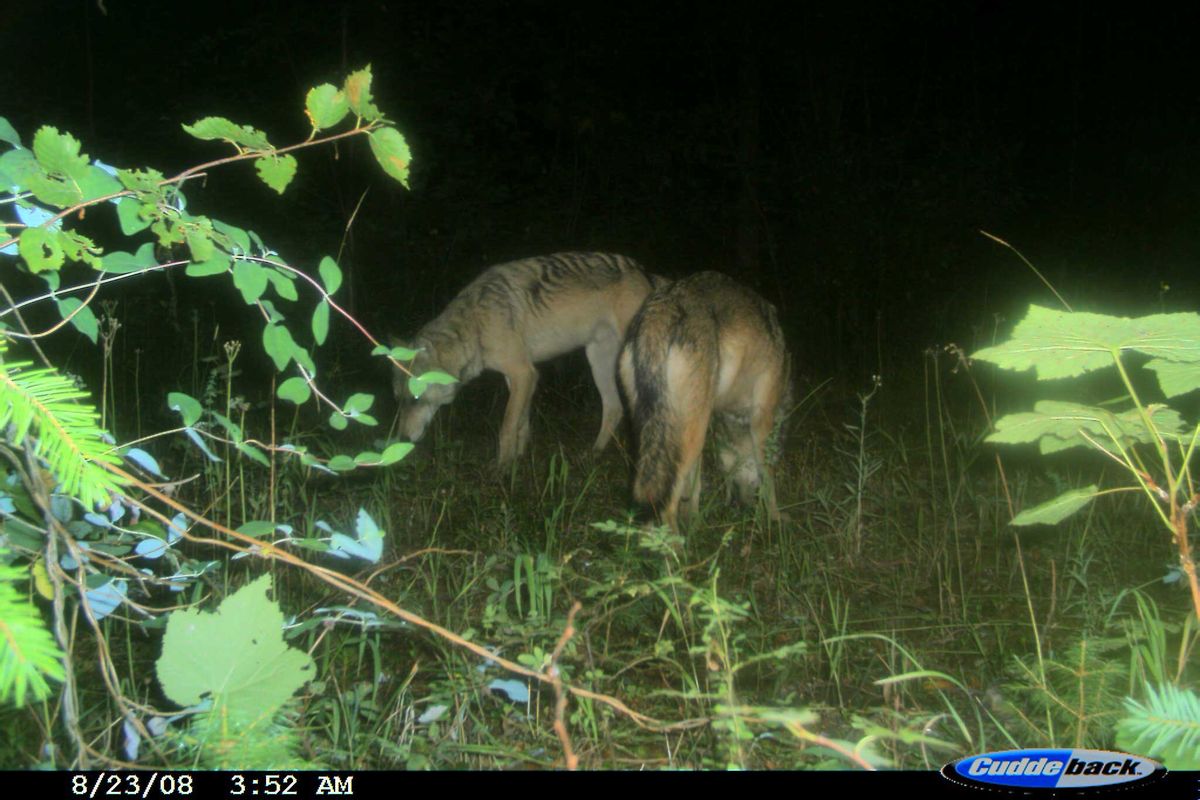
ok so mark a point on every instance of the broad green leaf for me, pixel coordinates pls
(118, 262)
(145, 181)
(20, 166)
(253, 453)
(326, 106)
(394, 452)
(396, 351)
(338, 423)
(417, 387)
(237, 656)
(199, 240)
(95, 182)
(257, 528)
(41, 249)
(250, 279)
(1058, 509)
(1062, 344)
(276, 171)
(305, 360)
(232, 428)
(238, 239)
(129, 214)
(1056, 425)
(59, 153)
(8, 133)
(294, 389)
(188, 407)
(272, 314)
(211, 128)
(392, 153)
(368, 458)
(320, 322)
(341, 463)
(1176, 377)
(278, 342)
(358, 402)
(440, 378)
(84, 320)
(330, 274)
(358, 94)
(217, 265)
(284, 283)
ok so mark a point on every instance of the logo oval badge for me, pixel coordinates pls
(1052, 769)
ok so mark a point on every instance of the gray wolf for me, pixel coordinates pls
(703, 349)
(518, 314)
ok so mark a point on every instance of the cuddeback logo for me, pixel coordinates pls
(1023, 770)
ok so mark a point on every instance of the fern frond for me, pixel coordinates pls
(42, 405)
(28, 654)
(1166, 727)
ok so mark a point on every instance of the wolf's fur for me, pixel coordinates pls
(701, 347)
(519, 314)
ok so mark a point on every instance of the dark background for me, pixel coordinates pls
(840, 157)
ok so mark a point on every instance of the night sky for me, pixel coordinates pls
(841, 158)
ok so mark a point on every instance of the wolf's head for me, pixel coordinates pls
(416, 412)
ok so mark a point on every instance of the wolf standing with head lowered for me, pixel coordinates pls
(518, 314)
(700, 347)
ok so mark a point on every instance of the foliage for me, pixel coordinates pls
(72, 509)
(29, 655)
(1165, 727)
(1150, 441)
(235, 662)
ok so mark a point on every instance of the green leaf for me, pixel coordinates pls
(305, 360)
(145, 181)
(9, 134)
(1058, 509)
(253, 453)
(295, 390)
(440, 378)
(217, 265)
(341, 463)
(392, 153)
(395, 452)
(129, 214)
(1056, 425)
(237, 656)
(367, 458)
(1063, 344)
(396, 351)
(234, 239)
(320, 322)
(84, 320)
(358, 94)
(257, 528)
(338, 423)
(276, 171)
(417, 386)
(59, 153)
(41, 249)
(1176, 378)
(95, 182)
(212, 128)
(358, 402)
(326, 106)
(330, 274)
(199, 240)
(188, 407)
(20, 166)
(123, 262)
(250, 279)
(278, 342)
(284, 283)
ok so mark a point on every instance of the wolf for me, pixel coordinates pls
(518, 314)
(703, 347)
